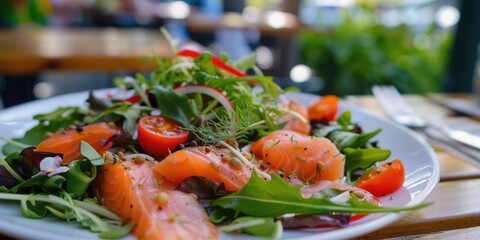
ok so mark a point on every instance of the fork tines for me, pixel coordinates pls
(396, 107)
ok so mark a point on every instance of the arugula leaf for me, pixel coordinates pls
(83, 172)
(91, 154)
(326, 130)
(34, 181)
(344, 120)
(52, 184)
(136, 84)
(260, 198)
(33, 209)
(78, 180)
(204, 63)
(116, 231)
(364, 138)
(126, 110)
(343, 139)
(258, 226)
(53, 209)
(6, 166)
(96, 218)
(363, 158)
(175, 106)
(222, 215)
(246, 62)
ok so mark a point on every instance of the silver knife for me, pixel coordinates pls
(464, 137)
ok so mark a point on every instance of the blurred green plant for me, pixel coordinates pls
(16, 12)
(359, 53)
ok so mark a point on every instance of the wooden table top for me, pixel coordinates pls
(30, 50)
(275, 24)
(455, 212)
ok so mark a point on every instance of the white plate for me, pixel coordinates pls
(421, 166)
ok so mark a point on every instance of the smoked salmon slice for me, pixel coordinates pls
(309, 158)
(68, 142)
(216, 164)
(294, 123)
(158, 212)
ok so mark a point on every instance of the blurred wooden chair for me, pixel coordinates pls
(460, 76)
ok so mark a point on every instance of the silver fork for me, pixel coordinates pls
(398, 109)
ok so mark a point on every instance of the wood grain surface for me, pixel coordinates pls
(30, 50)
(454, 212)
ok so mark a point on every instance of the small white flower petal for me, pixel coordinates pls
(58, 171)
(47, 164)
(57, 161)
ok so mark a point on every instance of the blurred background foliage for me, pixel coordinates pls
(358, 53)
(341, 47)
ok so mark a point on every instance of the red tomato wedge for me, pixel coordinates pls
(68, 142)
(325, 108)
(384, 179)
(159, 135)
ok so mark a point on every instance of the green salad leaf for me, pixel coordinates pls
(82, 172)
(258, 226)
(344, 120)
(204, 63)
(94, 217)
(364, 157)
(343, 139)
(33, 209)
(91, 154)
(247, 62)
(175, 106)
(79, 177)
(261, 198)
(121, 110)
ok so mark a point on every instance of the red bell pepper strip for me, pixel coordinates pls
(133, 99)
(215, 61)
(194, 54)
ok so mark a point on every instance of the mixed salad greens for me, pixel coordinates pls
(200, 100)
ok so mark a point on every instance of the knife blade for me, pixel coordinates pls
(464, 137)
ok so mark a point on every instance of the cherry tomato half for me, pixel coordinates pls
(384, 179)
(158, 135)
(68, 142)
(325, 107)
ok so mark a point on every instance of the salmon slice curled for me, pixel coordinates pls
(216, 164)
(309, 158)
(157, 211)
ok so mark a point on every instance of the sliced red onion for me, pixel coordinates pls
(212, 92)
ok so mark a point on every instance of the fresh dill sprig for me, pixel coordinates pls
(227, 126)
